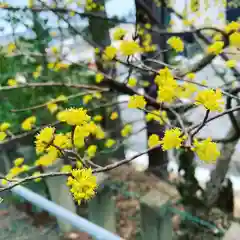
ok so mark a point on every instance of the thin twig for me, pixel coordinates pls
(201, 126)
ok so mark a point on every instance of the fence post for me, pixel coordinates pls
(156, 219)
(60, 193)
(101, 209)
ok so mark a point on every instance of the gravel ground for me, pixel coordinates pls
(17, 225)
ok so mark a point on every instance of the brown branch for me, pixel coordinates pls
(55, 174)
(54, 84)
(50, 101)
(231, 110)
(201, 125)
(9, 142)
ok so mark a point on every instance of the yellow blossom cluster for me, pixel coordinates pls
(82, 184)
(137, 101)
(37, 72)
(211, 99)
(167, 86)
(12, 82)
(176, 43)
(156, 115)
(206, 150)
(29, 123)
(57, 66)
(119, 34)
(3, 130)
(92, 5)
(173, 138)
(18, 168)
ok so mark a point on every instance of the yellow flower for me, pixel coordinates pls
(153, 141)
(176, 43)
(132, 82)
(83, 184)
(62, 141)
(110, 142)
(99, 77)
(187, 90)
(126, 130)
(97, 118)
(232, 26)
(119, 34)
(164, 77)
(235, 39)
(54, 49)
(44, 138)
(36, 174)
(11, 47)
(80, 133)
(204, 82)
(4, 126)
(156, 115)
(36, 74)
(148, 26)
(15, 171)
(87, 98)
(109, 53)
(29, 123)
(91, 151)
(206, 150)
(52, 107)
(18, 162)
(145, 83)
(74, 116)
(79, 164)
(47, 159)
(167, 93)
(12, 82)
(191, 76)
(216, 47)
(128, 48)
(140, 31)
(66, 168)
(97, 95)
(51, 65)
(60, 66)
(172, 139)
(3, 135)
(210, 99)
(100, 134)
(25, 167)
(137, 101)
(187, 22)
(217, 37)
(97, 50)
(61, 98)
(231, 63)
(114, 116)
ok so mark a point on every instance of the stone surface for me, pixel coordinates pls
(233, 232)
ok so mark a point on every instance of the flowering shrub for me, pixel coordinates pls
(78, 145)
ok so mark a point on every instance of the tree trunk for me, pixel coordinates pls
(99, 33)
(219, 173)
(157, 158)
